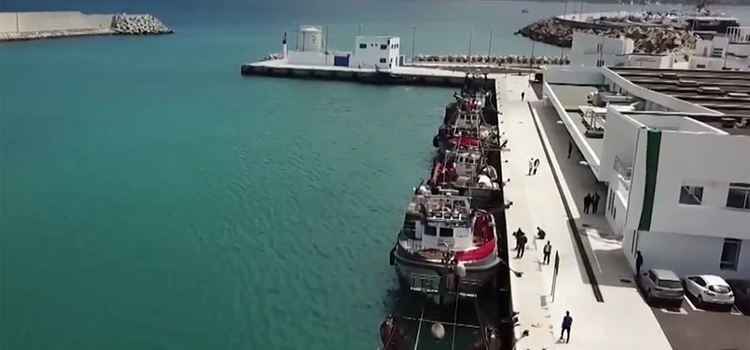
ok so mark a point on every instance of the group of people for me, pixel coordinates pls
(591, 203)
(521, 241)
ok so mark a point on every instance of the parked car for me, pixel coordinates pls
(709, 289)
(741, 289)
(663, 285)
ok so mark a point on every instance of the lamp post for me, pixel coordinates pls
(359, 31)
(471, 39)
(413, 41)
(489, 51)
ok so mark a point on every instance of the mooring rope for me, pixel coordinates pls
(419, 329)
(455, 315)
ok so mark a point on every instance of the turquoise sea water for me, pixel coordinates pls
(151, 198)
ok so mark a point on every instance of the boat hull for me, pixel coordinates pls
(424, 276)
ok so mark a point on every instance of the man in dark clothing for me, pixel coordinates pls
(567, 322)
(523, 94)
(547, 252)
(540, 234)
(595, 202)
(518, 235)
(570, 148)
(638, 262)
(586, 203)
(536, 166)
(521, 246)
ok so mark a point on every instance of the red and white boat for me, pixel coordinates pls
(440, 225)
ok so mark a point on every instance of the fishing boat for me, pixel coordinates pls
(467, 171)
(393, 335)
(445, 248)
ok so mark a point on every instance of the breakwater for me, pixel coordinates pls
(44, 25)
(486, 59)
(649, 39)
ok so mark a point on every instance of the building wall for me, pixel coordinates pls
(376, 52)
(590, 50)
(650, 61)
(573, 75)
(687, 254)
(310, 58)
(53, 20)
(711, 161)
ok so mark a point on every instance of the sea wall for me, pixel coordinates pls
(42, 25)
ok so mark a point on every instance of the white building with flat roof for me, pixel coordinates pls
(676, 161)
(730, 51)
(591, 50)
(372, 52)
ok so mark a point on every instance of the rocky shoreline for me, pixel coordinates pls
(648, 39)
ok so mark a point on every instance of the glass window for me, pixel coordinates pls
(730, 254)
(362, 46)
(384, 47)
(692, 195)
(382, 60)
(430, 231)
(446, 232)
(719, 289)
(738, 196)
(669, 284)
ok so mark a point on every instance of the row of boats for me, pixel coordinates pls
(447, 248)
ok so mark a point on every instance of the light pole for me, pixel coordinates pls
(471, 39)
(562, 49)
(359, 31)
(413, 41)
(489, 51)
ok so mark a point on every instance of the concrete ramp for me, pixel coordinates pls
(8, 23)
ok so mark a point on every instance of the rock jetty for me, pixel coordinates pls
(648, 39)
(138, 25)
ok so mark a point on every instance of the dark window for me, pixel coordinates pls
(730, 254)
(719, 289)
(446, 232)
(362, 46)
(384, 47)
(692, 195)
(699, 281)
(669, 284)
(430, 231)
(700, 66)
(382, 60)
(738, 196)
(651, 276)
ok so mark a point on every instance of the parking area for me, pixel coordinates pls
(690, 327)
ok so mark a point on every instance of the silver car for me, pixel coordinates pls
(660, 284)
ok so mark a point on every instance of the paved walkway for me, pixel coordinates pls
(622, 321)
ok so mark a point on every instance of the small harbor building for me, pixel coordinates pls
(591, 50)
(372, 52)
(673, 149)
(730, 51)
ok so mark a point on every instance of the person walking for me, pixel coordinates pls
(523, 94)
(531, 165)
(570, 148)
(536, 166)
(566, 324)
(638, 262)
(595, 202)
(518, 235)
(547, 252)
(586, 203)
(521, 246)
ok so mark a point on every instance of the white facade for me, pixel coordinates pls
(729, 52)
(685, 204)
(371, 52)
(687, 217)
(590, 50)
(376, 52)
(650, 61)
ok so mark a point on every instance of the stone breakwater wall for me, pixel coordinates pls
(44, 25)
(648, 38)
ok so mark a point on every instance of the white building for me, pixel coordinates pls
(728, 52)
(373, 52)
(590, 50)
(677, 172)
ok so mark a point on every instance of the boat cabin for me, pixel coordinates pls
(466, 162)
(446, 222)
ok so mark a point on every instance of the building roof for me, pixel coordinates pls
(727, 92)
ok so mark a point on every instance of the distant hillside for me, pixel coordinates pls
(666, 2)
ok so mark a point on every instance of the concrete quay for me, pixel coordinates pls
(45, 25)
(595, 280)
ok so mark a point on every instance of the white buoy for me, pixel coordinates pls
(438, 331)
(461, 269)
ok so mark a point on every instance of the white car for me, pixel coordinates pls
(709, 289)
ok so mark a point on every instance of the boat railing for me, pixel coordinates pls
(430, 284)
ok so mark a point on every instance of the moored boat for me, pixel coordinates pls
(445, 247)
(393, 335)
(467, 171)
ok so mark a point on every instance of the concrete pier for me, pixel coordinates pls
(43, 25)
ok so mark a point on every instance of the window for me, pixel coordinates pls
(652, 276)
(614, 213)
(382, 60)
(730, 254)
(384, 47)
(670, 284)
(446, 232)
(430, 231)
(692, 195)
(738, 196)
(700, 66)
(362, 46)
